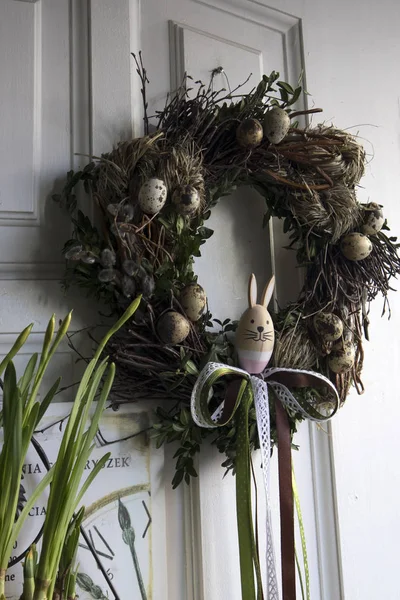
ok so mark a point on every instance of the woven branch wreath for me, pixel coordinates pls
(152, 196)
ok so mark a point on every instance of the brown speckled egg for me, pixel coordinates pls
(328, 326)
(342, 357)
(276, 124)
(250, 133)
(152, 196)
(373, 218)
(193, 300)
(172, 327)
(186, 199)
(355, 246)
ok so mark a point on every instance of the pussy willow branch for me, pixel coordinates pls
(141, 71)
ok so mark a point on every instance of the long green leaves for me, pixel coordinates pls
(20, 414)
(19, 417)
(76, 446)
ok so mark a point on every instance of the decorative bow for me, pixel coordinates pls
(240, 395)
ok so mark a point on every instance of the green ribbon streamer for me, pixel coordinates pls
(248, 555)
(302, 538)
(249, 560)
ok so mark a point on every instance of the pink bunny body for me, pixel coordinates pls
(255, 334)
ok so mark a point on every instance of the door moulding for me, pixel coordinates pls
(193, 546)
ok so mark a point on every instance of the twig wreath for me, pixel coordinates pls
(152, 196)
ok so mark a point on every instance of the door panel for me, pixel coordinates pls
(36, 144)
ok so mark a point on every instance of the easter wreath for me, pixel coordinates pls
(152, 196)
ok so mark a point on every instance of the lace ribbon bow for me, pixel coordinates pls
(256, 388)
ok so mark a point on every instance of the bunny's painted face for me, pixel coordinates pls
(255, 327)
(255, 334)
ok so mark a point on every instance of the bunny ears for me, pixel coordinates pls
(266, 295)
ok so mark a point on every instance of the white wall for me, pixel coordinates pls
(352, 53)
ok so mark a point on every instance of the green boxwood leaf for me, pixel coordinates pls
(205, 232)
(285, 86)
(177, 478)
(191, 470)
(191, 368)
(184, 417)
(180, 224)
(296, 95)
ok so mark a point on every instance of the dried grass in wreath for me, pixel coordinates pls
(294, 348)
(332, 212)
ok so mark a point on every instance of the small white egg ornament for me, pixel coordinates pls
(276, 125)
(152, 196)
(342, 357)
(373, 218)
(172, 327)
(193, 300)
(186, 200)
(250, 133)
(355, 246)
(255, 335)
(328, 326)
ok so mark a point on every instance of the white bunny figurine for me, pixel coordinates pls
(255, 335)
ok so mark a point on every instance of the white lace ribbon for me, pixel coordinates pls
(202, 394)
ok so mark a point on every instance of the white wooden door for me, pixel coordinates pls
(348, 475)
(68, 85)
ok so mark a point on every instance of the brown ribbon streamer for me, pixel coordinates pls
(231, 395)
(294, 379)
(286, 503)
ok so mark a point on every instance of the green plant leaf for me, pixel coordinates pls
(93, 474)
(48, 399)
(184, 417)
(180, 224)
(205, 232)
(26, 378)
(296, 95)
(177, 478)
(48, 337)
(191, 368)
(33, 497)
(285, 86)
(19, 342)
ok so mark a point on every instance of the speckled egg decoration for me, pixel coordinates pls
(328, 326)
(342, 357)
(355, 246)
(193, 301)
(373, 218)
(186, 200)
(152, 196)
(276, 124)
(250, 133)
(172, 327)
